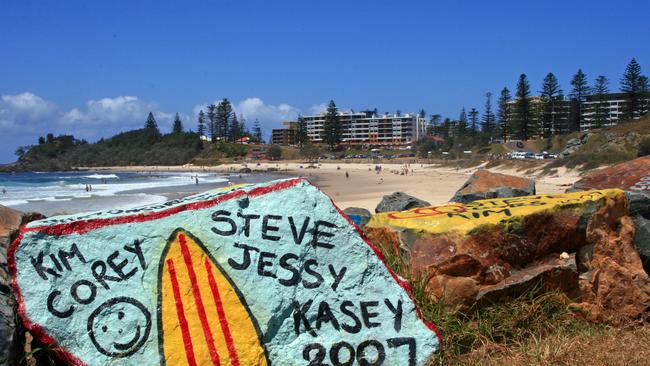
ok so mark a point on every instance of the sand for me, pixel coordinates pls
(365, 188)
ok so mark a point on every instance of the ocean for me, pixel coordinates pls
(65, 192)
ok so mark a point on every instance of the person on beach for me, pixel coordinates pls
(4, 191)
(196, 180)
(347, 176)
(86, 187)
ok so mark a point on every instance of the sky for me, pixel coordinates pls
(95, 68)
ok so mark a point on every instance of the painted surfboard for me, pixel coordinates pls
(202, 314)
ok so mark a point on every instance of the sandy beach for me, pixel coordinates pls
(364, 187)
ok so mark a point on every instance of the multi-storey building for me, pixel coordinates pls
(286, 135)
(558, 119)
(366, 127)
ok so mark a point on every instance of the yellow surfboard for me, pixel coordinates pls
(203, 318)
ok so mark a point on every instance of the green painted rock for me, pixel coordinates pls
(255, 275)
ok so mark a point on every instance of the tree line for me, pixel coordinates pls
(552, 113)
(220, 122)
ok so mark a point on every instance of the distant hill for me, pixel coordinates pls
(138, 147)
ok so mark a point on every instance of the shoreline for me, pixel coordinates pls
(364, 187)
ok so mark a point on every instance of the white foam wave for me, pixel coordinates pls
(101, 176)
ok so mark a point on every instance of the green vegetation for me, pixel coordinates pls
(274, 152)
(644, 147)
(332, 126)
(139, 147)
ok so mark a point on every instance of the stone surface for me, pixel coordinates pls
(633, 175)
(399, 201)
(484, 184)
(501, 245)
(358, 215)
(616, 289)
(270, 273)
(9, 221)
(554, 273)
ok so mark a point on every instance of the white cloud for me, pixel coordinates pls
(27, 113)
(318, 108)
(25, 110)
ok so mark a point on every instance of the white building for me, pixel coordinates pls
(368, 128)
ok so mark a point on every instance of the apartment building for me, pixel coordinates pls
(366, 127)
(286, 135)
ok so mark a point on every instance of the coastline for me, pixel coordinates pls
(365, 187)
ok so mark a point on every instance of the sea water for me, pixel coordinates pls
(69, 192)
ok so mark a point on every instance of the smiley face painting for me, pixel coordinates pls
(119, 327)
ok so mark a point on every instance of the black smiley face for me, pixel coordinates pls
(119, 327)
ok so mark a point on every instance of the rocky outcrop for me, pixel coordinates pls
(580, 243)
(615, 289)
(399, 201)
(10, 221)
(484, 184)
(358, 215)
(633, 175)
(573, 145)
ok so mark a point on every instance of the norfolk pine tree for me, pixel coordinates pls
(301, 132)
(488, 117)
(579, 93)
(631, 85)
(201, 123)
(223, 117)
(178, 124)
(473, 121)
(332, 126)
(503, 114)
(523, 122)
(151, 124)
(212, 122)
(600, 89)
(550, 94)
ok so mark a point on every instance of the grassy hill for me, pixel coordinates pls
(137, 147)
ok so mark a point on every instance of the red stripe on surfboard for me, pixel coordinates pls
(182, 321)
(198, 300)
(225, 328)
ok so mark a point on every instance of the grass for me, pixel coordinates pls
(536, 328)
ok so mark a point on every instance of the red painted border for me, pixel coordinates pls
(84, 226)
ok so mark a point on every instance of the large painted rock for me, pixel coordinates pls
(254, 275)
(633, 175)
(466, 251)
(484, 184)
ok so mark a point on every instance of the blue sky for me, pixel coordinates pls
(93, 68)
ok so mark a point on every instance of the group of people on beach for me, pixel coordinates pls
(89, 187)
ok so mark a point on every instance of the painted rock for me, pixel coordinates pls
(468, 249)
(633, 175)
(484, 184)
(255, 275)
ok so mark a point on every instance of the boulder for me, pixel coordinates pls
(10, 221)
(615, 289)
(252, 275)
(484, 184)
(358, 215)
(490, 250)
(633, 175)
(399, 201)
